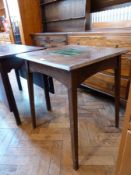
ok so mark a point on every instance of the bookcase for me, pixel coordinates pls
(65, 15)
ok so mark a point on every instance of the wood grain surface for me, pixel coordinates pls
(12, 49)
(72, 57)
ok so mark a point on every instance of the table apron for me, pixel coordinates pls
(80, 74)
(11, 63)
(58, 74)
(83, 73)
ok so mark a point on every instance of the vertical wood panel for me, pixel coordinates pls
(126, 159)
(30, 19)
(125, 151)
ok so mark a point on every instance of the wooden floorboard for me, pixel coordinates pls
(46, 150)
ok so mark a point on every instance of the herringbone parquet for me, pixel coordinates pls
(46, 150)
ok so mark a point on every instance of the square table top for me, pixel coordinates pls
(71, 57)
(13, 49)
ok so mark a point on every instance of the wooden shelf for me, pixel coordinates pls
(68, 16)
(66, 19)
(47, 3)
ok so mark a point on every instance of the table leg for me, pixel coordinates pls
(72, 95)
(51, 85)
(3, 96)
(46, 90)
(31, 96)
(9, 95)
(18, 79)
(117, 90)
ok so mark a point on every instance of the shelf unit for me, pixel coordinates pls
(5, 37)
(67, 16)
(46, 2)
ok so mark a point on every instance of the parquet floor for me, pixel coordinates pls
(46, 150)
